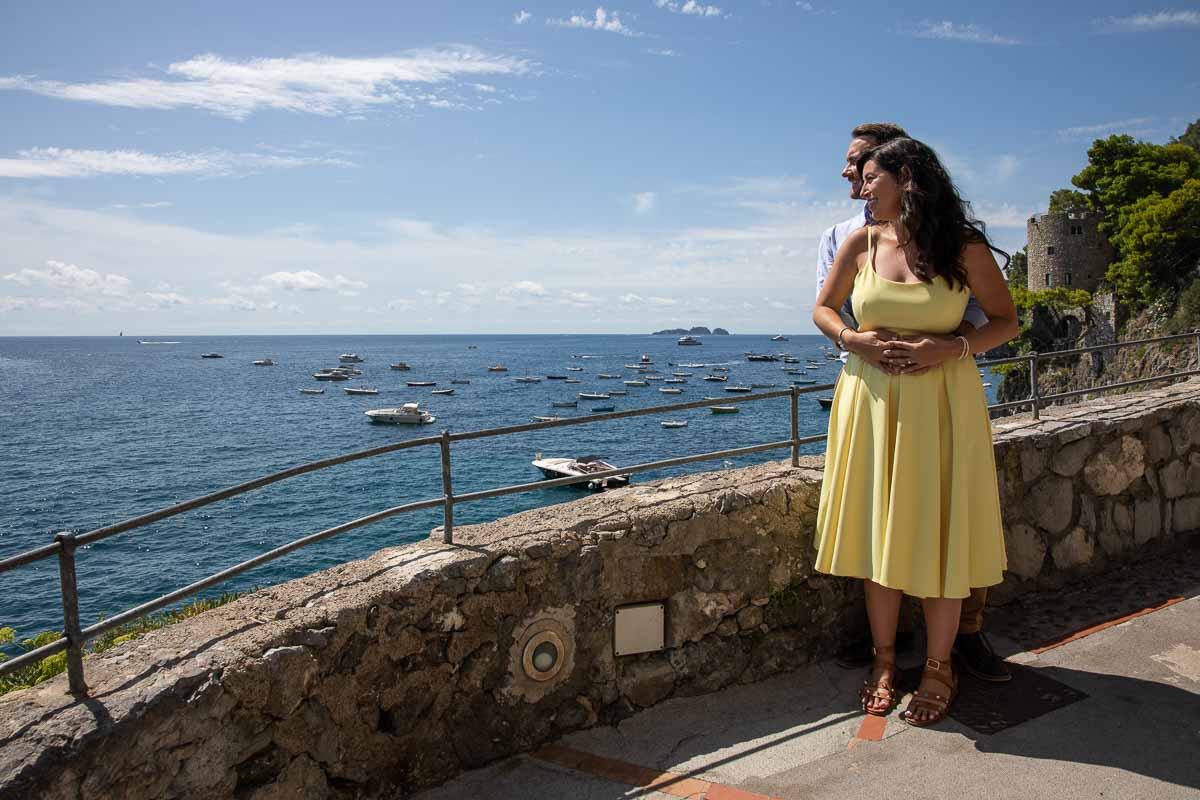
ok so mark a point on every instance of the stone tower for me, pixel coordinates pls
(1067, 249)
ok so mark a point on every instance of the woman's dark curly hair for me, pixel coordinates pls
(932, 213)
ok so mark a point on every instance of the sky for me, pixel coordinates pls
(530, 167)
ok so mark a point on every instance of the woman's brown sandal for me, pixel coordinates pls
(924, 700)
(885, 659)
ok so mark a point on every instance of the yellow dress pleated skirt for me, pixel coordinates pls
(909, 497)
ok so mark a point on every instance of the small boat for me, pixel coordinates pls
(564, 404)
(498, 368)
(599, 409)
(572, 380)
(264, 362)
(682, 374)
(761, 357)
(592, 396)
(422, 383)
(574, 369)
(541, 418)
(556, 377)
(669, 390)
(606, 376)
(653, 377)
(331, 375)
(351, 358)
(675, 380)
(528, 379)
(805, 382)
(401, 365)
(442, 391)
(692, 366)
(312, 391)
(635, 383)
(826, 402)
(211, 355)
(580, 467)
(359, 390)
(635, 366)
(674, 423)
(986, 385)
(724, 409)
(779, 338)
(718, 378)
(618, 392)
(760, 386)
(147, 341)
(791, 371)
(460, 381)
(645, 359)
(791, 360)
(688, 341)
(407, 414)
(720, 369)
(737, 388)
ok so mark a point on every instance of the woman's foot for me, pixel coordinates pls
(932, 700)
(878, 693)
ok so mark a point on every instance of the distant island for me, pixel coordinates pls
(697, 331)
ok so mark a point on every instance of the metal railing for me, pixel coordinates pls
(65, 544)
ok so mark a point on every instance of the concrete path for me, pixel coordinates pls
(1106, 710)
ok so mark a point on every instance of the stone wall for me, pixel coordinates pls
(379, 676)
(1081, 253)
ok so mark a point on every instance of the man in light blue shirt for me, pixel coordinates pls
(971, 649)
(864, 138)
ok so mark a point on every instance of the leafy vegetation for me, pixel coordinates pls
(47, 668)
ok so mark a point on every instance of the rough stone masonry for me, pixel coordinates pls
(384, 675)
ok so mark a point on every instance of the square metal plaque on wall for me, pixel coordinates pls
(639, 628)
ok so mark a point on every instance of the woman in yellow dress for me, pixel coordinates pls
(909, 500)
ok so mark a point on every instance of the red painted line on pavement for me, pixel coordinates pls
(871, 730)
(1104, 626)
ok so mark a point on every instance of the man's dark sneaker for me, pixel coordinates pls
(974, 653)
(858, 653)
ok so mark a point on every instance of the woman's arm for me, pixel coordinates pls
(866, 344)
(991, 289)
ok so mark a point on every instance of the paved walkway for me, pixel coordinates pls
(1105, 702)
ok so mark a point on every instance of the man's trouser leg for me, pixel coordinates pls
(971, 619)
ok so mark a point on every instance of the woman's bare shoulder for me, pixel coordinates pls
(857, 241)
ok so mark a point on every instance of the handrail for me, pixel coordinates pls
(65, 544)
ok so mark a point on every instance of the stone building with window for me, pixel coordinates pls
(1067, 250)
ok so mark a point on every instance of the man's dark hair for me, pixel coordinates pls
(879, 132)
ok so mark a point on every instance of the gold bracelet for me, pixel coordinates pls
(840, 344)
(966, 349)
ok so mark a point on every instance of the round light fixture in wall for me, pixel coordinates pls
(543, 655)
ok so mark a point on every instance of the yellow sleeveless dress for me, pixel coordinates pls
(909, 498)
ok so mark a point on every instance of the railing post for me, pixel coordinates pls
(70, 605)
(1197, 332)
(447, 492)
(795, 426)
(1034, 394)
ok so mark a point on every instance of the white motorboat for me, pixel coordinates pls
(688, 341)
(528, 379)
(442, 391)
(147, 341)
(675, 380)
(592, 396)
(401, 365)
(422, 383)
(351, 358)
(572, 380)
(331, 375)
(545, 418)
(635, 383)
(779, 338)
(674, 423)
(264, 362)
(312, 391)
(692, 366)
(682, 374)
(670, 390)
(645, 359)
(738, 389)
(986, 385)
(761, 357)
(717, 378)
(498, 368)
(359, 390)
(580, 467)
(407, 414)
(720, 369)
(574, 369)
(653, 377)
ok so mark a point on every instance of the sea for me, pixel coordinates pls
(101, 429)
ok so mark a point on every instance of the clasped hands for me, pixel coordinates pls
(895, 354)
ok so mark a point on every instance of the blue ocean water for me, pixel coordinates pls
(97, 430)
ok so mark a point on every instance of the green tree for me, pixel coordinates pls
(1018, 270)
(1159, 243)
(1064, 199)
(1190, 137)
(1122, 171)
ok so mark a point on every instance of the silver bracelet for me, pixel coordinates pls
(840, 344)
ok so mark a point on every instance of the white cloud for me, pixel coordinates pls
(157, 204)
(957, 32)
(167, 299)
(55, 162)
(689, 7)
(521, 17)
(526, 289)
(69, 277)
(309, 281)
(237, 302)
(309, 84)
(667, 53)
(602, 20)
(1152, 21)
(1134, 125)
(644, 202)
(1005, 166)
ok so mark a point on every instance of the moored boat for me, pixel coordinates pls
(312, 391)
(674, 423)
(670, 390)
(497, 368)
(688, 341)
(592, 396)
(264, 362)
(407, 414)
(724, 409)
(401, 365)
(442, 391)
(737, 389)
(581, 467)
(211, 355)
(422, 383)
(351, 358)
(359, 390)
